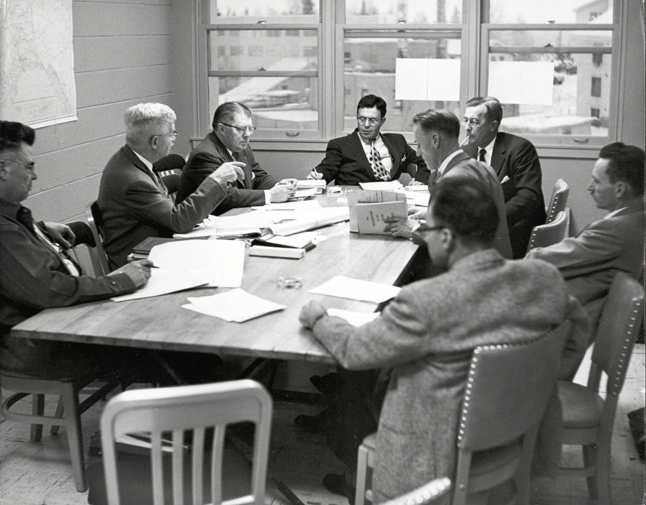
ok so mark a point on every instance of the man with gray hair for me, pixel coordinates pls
(229, 141)
(133, 200)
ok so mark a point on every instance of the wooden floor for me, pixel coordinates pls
(40, 473)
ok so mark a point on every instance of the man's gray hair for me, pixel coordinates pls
(146, 119)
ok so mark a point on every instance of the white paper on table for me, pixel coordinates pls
(354, 318)
(310, 183)
(310, 220)
(382, 186)
(301, 204)
(356, 289)
(222, 259)
(162, 282)
(298, 240)
(236, 305)
(419, 198)
(304, 193)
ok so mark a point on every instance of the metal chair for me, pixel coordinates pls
(98, 255)
(178, 410)
(507, 392)
(588, 418)
(549, 234)
(558, 200)
(424, 495)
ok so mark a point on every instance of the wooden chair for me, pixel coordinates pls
(507, 392)
(558, 200)
(588, 418)
(424, 495)
(549, 234)
(99, 258)
(196, 409)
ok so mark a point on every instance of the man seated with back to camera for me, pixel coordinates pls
(589, 261)
(229, 142)
(133, 200)
(425, 337)
(366, 155)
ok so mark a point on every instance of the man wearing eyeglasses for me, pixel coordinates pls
(426, 336)
(133, 200)
(516, 163)
(366, 155)
(229, 142)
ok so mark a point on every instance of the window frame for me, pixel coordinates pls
(475, 54)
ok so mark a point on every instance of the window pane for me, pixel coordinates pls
(276, 102)
(370, 69)
(271, 50)
(550, 11)
(403, 11)
(580, 97)
(561, 38)
(281, 11)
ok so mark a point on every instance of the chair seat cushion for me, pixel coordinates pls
(486, 462)
(582, 407)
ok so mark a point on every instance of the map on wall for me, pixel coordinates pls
(37, 62)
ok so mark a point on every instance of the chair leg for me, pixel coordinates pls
(602, 474)
(59, 413)
(74, 435)
(37, 409)
(362, 475)
(590, 460)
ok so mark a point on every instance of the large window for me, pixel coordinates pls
(302, 65)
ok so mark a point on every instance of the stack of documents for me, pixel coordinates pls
(234, 306)
(317, 185)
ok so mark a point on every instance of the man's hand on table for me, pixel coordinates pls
(138, 271)
(228, 173)
(404, 227)
(61, 233)
(311, 313)
(282, 191)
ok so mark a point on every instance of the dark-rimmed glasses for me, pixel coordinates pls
(242, 129)
(372, 121)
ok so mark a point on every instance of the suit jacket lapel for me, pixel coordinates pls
(498, 154)
(134, 159)
(242, 156)
(456, 159)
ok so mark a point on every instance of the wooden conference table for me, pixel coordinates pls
(160, 323)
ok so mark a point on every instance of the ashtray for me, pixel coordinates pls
(290, 282)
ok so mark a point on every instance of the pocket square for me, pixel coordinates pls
(504, 179)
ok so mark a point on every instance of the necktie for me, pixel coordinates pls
(481, 155)
(377, 166)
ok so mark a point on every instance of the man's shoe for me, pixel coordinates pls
(313, 424)
(336, 484)
(327, 384)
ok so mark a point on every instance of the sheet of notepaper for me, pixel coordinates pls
(222, 259)
(352, 317)
(356, 289)
(234, 306)
(166, 281)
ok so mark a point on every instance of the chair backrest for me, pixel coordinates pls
(97, 255)
(427, 494)
(619, 325)
(558, 201)
(195, 408)
(506, 396)
(549, 234)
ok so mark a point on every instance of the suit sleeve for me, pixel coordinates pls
(332, 162)
(594, 247)
(30, 276)
(527, 179)
(148, 204)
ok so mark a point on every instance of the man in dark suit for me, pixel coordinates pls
(515, 161)
(589, 262)
(367, 155)
(133, 200)
(229, 141)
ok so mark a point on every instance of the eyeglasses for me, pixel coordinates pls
(172, 134)
(471, 121)
(31, 166)
(427, 229)
(242, 129)
(372, 121)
